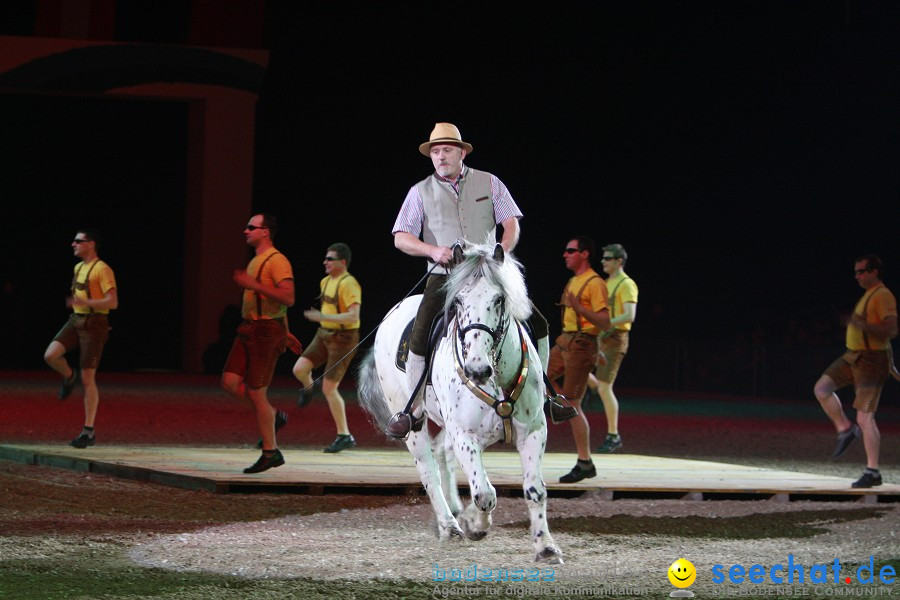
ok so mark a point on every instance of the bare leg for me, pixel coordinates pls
(55, 357)
(871, 437)
(303, 372)
(831, 404)
(91, 395)
(610, 406)
(581, 431)
(265, 416)
(335, 405)
(234, 385)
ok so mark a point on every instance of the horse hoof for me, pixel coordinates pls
(549, 556)
(455, 534)
(475, 535)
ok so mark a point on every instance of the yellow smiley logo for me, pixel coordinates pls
(682, 573)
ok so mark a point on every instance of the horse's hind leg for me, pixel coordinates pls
(430, 473)
(476, 519)
(443, 454)
(531, 453)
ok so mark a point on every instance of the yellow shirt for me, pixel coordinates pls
(338, 295)
(625, 290)
(881, 304)
(101, 281)
(593, 297)
(275, 270)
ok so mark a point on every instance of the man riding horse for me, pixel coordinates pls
(455, 203)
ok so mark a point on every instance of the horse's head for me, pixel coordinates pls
(486, 290)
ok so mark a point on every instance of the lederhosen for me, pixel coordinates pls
(261, 342)
(88, 331)
(618, 338)
(333, 347)
(866, 370)
(578, 332)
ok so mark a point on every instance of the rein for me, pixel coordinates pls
(374, 329)
(503, 407)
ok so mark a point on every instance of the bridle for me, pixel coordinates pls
(502, 406)
(497, 335)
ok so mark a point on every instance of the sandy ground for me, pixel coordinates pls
(46, 512)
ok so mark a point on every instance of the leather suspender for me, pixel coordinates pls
(577, 297)
(612, 309)
(87, 281)
(865, 314)
(337, 294)
(259, 280)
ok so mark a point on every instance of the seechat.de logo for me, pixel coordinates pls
(795, 572)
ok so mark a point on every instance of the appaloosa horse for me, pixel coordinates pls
(487, 386)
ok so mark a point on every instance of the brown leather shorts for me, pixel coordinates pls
(614, 347)
(334, 348)
(867, 370)
(89, 334)
(573, 355)
(255, 352)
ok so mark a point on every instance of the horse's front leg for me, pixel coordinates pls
(430, 473)
(476, 519)
(443, 454)
(531, 452)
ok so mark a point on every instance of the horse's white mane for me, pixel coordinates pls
(479, 261)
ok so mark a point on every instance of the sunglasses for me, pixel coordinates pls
(609, 258)
(77, 241)
(861, 271)
(331, 258)
(573, 250)
(254, 227)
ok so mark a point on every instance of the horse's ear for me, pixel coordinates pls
(457, 253)
(498, 253)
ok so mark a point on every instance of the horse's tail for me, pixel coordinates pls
(369, 392)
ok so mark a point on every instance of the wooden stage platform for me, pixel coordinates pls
(389, 471)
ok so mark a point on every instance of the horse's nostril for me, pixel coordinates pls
(480, 374)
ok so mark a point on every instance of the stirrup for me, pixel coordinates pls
(558, 412)
(401, 424)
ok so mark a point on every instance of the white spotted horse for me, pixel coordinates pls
(487, 386)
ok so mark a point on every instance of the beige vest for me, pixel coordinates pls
(448, 218)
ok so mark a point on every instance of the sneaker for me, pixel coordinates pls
(868, 480)
(578, 473)
(281, 420)
(83, 441)
(401, 424)
(557, 413)
(341, 442)
(65, 390)
(845, 439)
(612, 443)
(266, 462)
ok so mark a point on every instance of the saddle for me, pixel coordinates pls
(438, 332)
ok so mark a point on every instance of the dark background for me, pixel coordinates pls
(744, 153)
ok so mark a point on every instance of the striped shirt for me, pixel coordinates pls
(412, 213)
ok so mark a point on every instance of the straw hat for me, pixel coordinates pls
(444, 133)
